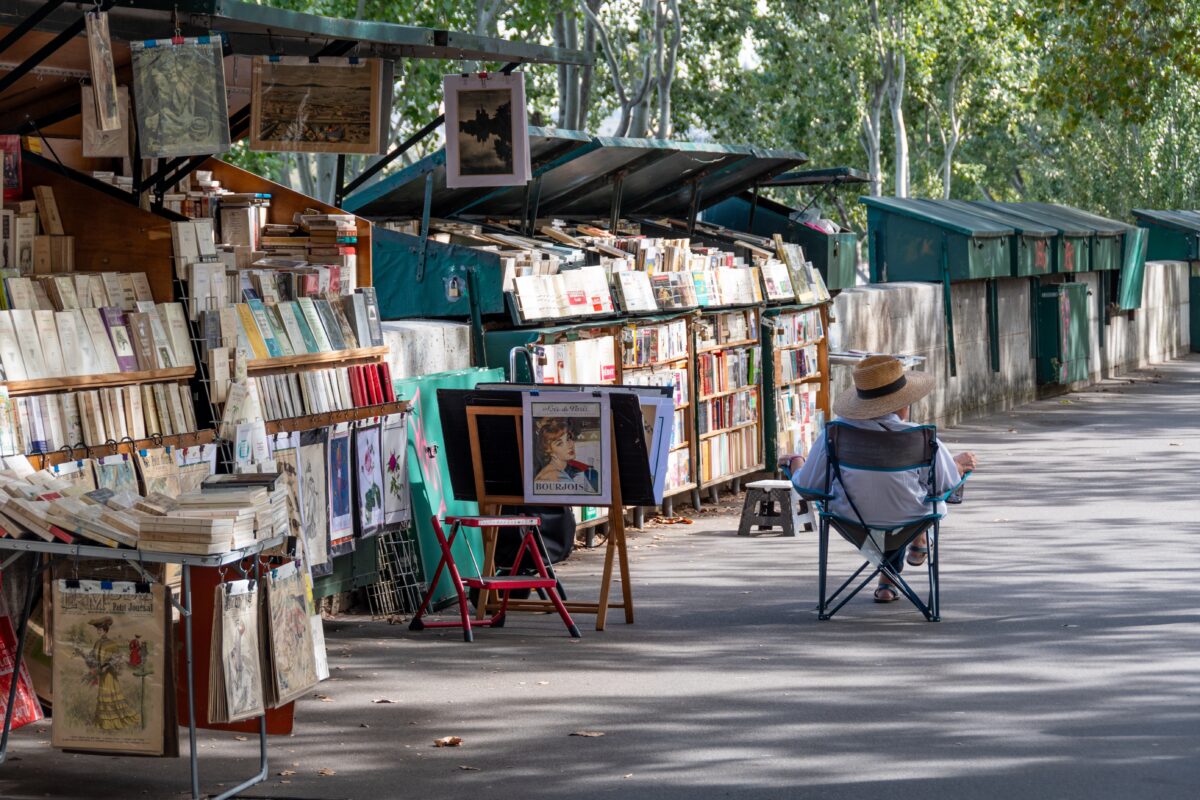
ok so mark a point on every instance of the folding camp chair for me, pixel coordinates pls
(531, 546)
(852, 449)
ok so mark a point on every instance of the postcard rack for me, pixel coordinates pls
(46, 553)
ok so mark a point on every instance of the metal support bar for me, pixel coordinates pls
(1035, 286)
(425, 209)
(478, 354)
(22, 629)
(694, 208)
(948, 308)
(30, 22)
(533, 199)
(993, 320)
(340, 177)
(614, 213)
(45, 51)
(753, 209)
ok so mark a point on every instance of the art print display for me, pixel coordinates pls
(109, 672)
(104, 73)
(235, 663)
(314, 506)
(567, 448)
(116, 473)
(487, 133)
(98, 143)
(397, 506)
(160, 473)
(286, 453)
(332, 105)
(368, 479)
(195, 464)
(341, 493)
(179, 93)
(292, 660)
(26, 708)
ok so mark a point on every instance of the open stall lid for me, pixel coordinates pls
(962, 221)
(586, 179)
(820, 177)
(1187, 221)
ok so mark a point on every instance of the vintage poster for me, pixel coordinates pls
(368, 479)
(567, 448)
(335, 105)
(314, 493)
(109, 666)
(235, 678)
(26, 708)
(159, 472)
(98, 143)
(487, 134)
(397, 507)
(341, 498)
(195, 464)
(179, 94)
(293, 662)
(116, 473)
(285, 452)
(104, 73)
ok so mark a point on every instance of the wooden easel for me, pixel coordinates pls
(490, 505)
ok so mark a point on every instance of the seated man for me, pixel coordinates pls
(884, 390)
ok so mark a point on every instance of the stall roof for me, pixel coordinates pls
(1182, 220)
(656, 177)
(968, 223)
(1022, 225)
(1102, 226)
(820, 177)
(1062, 223)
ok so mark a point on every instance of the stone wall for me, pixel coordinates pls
(907, 318)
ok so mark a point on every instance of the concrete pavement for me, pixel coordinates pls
(1067, 664)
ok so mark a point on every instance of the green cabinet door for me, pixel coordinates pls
(1063, 339)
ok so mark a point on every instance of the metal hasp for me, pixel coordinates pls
(1175, 236)
(1063, 333)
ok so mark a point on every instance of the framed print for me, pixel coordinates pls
(179, 97)
(567, 452)
(341, 496)
(104, 74)
(368, 479)
(487, 131)
(335, 105)
(397, 507)
(314, 508)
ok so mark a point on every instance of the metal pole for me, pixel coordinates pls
(22, 629)
(191, 679)
(28, 23)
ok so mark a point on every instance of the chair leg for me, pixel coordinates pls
(935, 588)
(822, 566)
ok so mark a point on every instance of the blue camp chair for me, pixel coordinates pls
(852, 449)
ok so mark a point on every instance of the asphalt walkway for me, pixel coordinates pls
(1067, 664)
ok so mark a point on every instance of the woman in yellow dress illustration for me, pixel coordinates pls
(113, 711)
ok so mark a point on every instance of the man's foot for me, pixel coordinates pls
(886, 593)
(917, 553)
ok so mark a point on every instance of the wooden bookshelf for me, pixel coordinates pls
(352, 357)
(780, 433)
(107, 380)
(126, 447)
(313, 421)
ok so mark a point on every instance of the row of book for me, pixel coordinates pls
(730, 327)
(298, 394)
(32, 239)
(795, 364)
(580, 361)
(679, 470)
(644, 345)
(727, 370)
(797, 327)
(800, 418)
(675, 377)
(300, 327)
(571, 293)
(48, 422)
(65, 292)
(730, 453)
(727, 412)
(92, 341)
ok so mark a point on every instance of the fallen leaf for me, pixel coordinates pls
(543, 683)
(382, 700)
(589, 734)
(363, 725)
(630, 775)
(1174, 444)
(286, 772)
(324, 698)
(326, 771)
(448, 741)
(1065, 403)
(242, 738)
(468, 769)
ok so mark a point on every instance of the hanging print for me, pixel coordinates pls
(314, 493)
(487, 130)
(341, 502)
(179, 97)
(397, 508)
(567, 448)
(368, 479)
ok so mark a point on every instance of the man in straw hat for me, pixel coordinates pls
(883, 392)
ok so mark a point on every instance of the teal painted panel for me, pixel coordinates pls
(1133, 271)
(442, 291)
(1194, 299)
(429, 478)
(1063, 336)
(1106, 253)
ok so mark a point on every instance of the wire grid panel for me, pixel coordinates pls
(400, 586)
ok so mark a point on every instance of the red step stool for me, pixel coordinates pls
(502, 584)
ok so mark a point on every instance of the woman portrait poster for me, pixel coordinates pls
(567, 448)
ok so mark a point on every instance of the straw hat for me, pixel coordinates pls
(881, 386)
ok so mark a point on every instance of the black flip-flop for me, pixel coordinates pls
(916, 549)
(895, 594)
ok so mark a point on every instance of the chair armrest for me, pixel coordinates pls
(812, 494)
(944, 497)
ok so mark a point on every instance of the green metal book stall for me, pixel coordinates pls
(1175, 236)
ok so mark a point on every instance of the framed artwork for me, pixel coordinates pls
(104, 74)
(341, 503)
(397, 506)
(335, 105)
(314, 507)
(658, 418)
(487, 130)
(293, 662)
(567, 448)
(109, 668)
(179, 97)
(368, 479)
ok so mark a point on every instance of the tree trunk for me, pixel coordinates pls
(899, 131)
(666, 75)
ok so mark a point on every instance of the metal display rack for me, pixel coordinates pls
(45, 553)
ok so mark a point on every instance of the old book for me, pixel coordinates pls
(218, 373)
(135, 420)
(20, 293)
(282, 338)
(258, 345)
(333, 330)
(298, 328)
(189, 408)
(115, 322)
(43, 258)
(178, 420)
(315, 326)
(164, 352)
(51, 348)
(48, 210)
(259, 312)
(349, 336)
(142, 340)
(113, 290)
(355, 306)
(150, 410)
(128, 291)
(63, 292)
(24, 231)
(166, 422)
(141, 287)
(10, 350)
(72, 427)
(79, 356)
(27, 340)
(232, 335)
(176, 325)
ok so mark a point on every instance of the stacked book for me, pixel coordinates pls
(228, 513)
(332, 240)
(298, 394)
